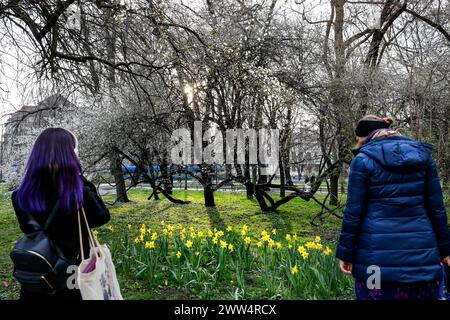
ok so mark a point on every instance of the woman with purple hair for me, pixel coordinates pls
(53, 175)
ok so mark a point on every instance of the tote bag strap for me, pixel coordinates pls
(93, 238)
(90, 236)
(81, 236)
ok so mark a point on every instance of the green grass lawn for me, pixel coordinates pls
(233, 209)
(10, 232)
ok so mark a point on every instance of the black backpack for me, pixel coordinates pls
(39, 265)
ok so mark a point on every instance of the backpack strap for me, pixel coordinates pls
(51, 215)
(32, 221)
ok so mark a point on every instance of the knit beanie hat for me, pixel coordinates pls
(366, 127)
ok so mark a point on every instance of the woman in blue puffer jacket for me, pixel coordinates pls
(394, 233)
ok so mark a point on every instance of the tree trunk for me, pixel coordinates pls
(249, 186)
(261, 200)
(343, 186)
(168, 179)
(152, 181)
(282, 178)
(250, 190)
(334, 189)
(116, 170)
(208, 191)
(209, 196)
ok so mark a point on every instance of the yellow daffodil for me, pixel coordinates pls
(271, 243)
(170, 228)
(178, 254)
(317, 239)
(327, 251)
(197, 253)
(200, 234)
(290, 246)
(247, 240)
(243, 233)
(319, 246)
(294, 270)
(230, 247)
(245, 228)
(223, 244)
(129, 226)
(274, 231)
(154, 236)
(305, 255)
(259, 244)
(137, 240)
(193, 235)
(163, 222)
(214, 240)
(183, 236)
(229, 229)
(141, 238)
(220, 233)
(288, 238)
(266, 238)
(279, 246)
(311, 245)
(301, 250)
(149, 245)
(210, 233)
(189, 244)
(179, 226)
(165, 231)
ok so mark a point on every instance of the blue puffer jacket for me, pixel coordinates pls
(395, 215)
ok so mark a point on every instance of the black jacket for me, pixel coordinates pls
(63, 230)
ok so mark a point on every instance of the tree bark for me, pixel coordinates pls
(334, 189)
(282, 177)
(209, 196)
(116, 170)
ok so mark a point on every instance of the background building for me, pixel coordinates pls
(21, 128)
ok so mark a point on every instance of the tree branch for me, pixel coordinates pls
(431, 23)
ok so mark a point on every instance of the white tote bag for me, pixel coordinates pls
(96, 278)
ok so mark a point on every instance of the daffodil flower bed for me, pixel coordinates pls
(234, 263)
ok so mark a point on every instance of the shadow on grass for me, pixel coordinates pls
(215, 218)
(155, 210)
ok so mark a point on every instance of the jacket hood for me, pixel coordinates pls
(398, 153)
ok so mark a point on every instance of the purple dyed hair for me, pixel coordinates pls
(53, 167)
